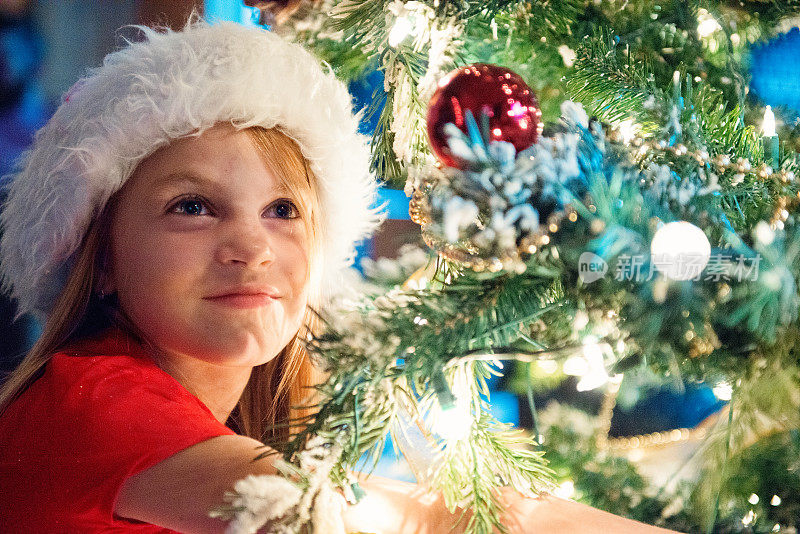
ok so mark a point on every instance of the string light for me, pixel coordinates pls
(548, 367)
(707, 24)
(451, 418)
(723, 391)
(633, 445)
(589, 365)
(402, 28)
(768, 126)
(770, 140)
(455, 423)
(654, 439)
(565, 490)
(749, 518)
(627, 130)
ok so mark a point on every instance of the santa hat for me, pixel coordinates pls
(169, 85)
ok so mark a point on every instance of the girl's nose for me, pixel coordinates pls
(247, 243)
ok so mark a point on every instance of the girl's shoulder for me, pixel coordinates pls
(101, 412)
(106, 357)
(108, 387)
(110, 378)
(106, 376)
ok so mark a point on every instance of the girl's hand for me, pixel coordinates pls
(392, 507)
(549, 514)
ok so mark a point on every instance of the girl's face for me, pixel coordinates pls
(209, 252)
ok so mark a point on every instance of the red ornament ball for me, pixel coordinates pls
(502, 95)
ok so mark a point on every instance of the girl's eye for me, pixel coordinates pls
(283, 209)
(190, 206)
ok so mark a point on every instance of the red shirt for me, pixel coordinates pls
(101, 412)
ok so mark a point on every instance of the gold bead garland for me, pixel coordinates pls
(627, 443)
(469, 255)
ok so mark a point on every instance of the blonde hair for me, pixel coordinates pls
(279, 392)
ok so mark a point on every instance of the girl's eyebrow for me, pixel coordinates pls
(180, 177)
(198, 179)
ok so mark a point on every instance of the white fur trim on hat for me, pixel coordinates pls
(167, 86)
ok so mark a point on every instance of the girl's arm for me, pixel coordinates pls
(398, 507)
(178, 492)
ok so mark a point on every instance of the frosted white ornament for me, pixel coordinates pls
(680, 250)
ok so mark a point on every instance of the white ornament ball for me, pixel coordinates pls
(680, 250)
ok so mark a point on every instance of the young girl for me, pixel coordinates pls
(173, 222)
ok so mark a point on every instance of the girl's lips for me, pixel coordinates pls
(243, 300)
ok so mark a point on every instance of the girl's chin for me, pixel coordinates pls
(245, 350)
(236, 343)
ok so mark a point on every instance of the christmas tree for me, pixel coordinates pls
(602, 185)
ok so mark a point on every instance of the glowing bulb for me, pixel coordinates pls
(453, 423)
(768, 126)
(723, 391)
(707, 27)
(706, 23)
(596, 374)
(680, 250)
(565, 490)
(775, 501)
(575, 366)
(451, 417)
(548, 367)
(628, 130)
(589, 366)
(753, 499)
(402, 28)
(749, 518)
